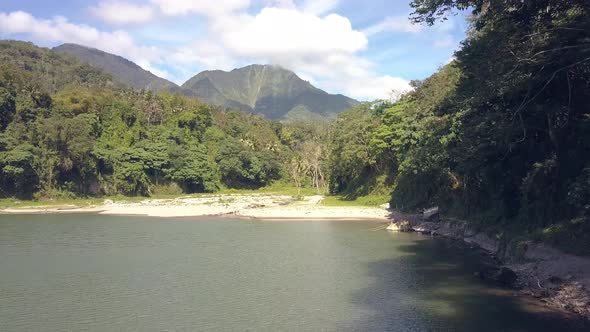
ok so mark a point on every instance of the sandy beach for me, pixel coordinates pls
(261, 206)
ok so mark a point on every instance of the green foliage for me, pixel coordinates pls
(240, 167)
(52, 71)
(368, 200)
(355, 156)
(89, 138)
(500, 136)
(192, 171)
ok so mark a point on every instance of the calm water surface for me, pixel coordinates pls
(113, 273)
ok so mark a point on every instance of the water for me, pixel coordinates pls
(114, 273)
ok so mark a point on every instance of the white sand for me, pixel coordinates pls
(262, 206)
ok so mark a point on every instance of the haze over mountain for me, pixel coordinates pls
(270, 90)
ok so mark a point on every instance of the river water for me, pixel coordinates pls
(119, 273)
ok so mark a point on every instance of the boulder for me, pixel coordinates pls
(399, 226)
(503, 275)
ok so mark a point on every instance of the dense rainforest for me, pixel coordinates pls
(68, 130)
(500, 136)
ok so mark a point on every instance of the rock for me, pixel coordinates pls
(425, 228)
(400, 226)
(469, 232)
(393, 227)
(431, 214)
(506, 276)
(503, 275)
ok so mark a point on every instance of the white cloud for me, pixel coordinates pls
(381, 87)
(208, 54)
(156, 71)
(287, 4)
(318, 7)
(324, 49)
(121, 13)
(278, 32)
(203, 7)
(58, 29)
(393, 24)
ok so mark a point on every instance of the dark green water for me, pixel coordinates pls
(111, 273)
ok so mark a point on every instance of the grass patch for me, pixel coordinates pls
(370, 200)
(13, 203)
(277, 188)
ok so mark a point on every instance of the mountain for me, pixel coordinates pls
(272, 91)
(52, 71)
(122, 69)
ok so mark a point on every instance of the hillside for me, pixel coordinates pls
(124, 70)
(272, 91)
(52, 71)
(269, 90)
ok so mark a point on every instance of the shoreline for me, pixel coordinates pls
(559, 280)
(255, 206)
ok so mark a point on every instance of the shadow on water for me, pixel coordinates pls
(430, 287)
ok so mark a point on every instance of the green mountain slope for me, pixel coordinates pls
(269, 90)
(122, 69)
(272, 91)
(52, 71)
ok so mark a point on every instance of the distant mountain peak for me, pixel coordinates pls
(271, 90)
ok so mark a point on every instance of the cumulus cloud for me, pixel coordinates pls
(318, 7)
(393, 24)
(121, 13)
(58, 29)
(203, 7)
(380, 87)
(324, 48)
(285, 32)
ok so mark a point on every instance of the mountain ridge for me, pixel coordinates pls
(125, 70)
(270, 90)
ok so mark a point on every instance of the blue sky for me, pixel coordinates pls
(364, 49)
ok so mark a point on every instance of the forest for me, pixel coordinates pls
(500, 136)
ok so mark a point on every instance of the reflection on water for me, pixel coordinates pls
(102, 273)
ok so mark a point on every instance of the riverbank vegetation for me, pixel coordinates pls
(500, 136)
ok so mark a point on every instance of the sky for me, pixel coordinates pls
(363, 49)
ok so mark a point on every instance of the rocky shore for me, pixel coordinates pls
(559, 279)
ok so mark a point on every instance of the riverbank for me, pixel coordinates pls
(556, 278)
(262, 206)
